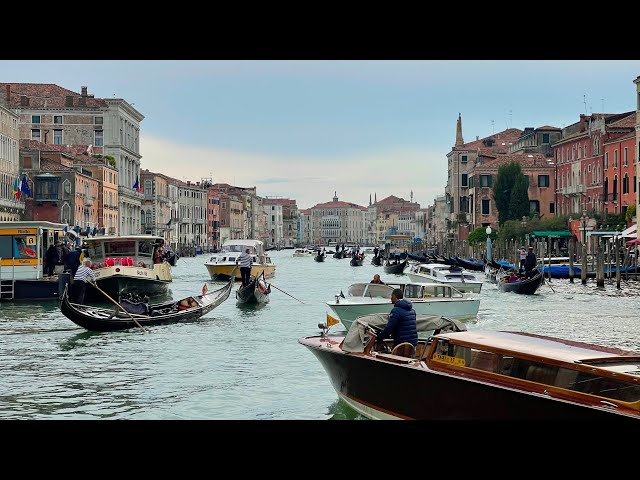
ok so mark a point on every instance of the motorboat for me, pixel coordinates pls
(478, 375)
(426, 298)
(221, 265)
(457, 277)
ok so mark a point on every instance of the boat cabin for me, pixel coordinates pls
(126, 251)
(409, 290)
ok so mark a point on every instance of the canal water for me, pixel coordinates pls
(246, 363)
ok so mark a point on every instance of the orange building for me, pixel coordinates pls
(620, 174)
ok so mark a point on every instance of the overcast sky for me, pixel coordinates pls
(304, 129)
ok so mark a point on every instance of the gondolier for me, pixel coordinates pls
(530, 262)
(83, 275)
(245, 261)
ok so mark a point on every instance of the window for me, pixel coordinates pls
(552, 208)
(463, 159)
(534, 205)
(464, 180)
(46, 189)
(142, 213)
(35, 118)
(471, 182)
(98, 138)
(98, 120)
(634, 184)
(606, 160)
(625, 184)
(615, 159)
(545, 138)
(148, 188)
(26, 161)
(543, 180)
(149, 217)
(35, 134)
(626, 156)
(57, 119)
(485, 207)
(486, 181)
(57, 137)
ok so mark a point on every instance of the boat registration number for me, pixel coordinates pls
(448, 359)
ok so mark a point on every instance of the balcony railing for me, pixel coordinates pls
(574, 189)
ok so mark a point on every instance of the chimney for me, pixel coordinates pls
(477, 138)
(68, 101)
(82, 101)
(8, 93)
(84, 91)
(24, 101)
(582, 122)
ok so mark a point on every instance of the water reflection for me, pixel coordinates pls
(340, 410)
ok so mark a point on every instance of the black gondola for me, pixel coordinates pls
(417, 258)
(356, 260)
(376, 260)
(339, 254)
(100, 319)
(257, 291)
(526, 286)
(397, 268)
(319, 257)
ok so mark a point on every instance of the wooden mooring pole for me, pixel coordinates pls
(583, 274)
(571, 247)
(600, 267)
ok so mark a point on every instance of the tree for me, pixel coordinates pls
(479, 235)
(519, 204)
(508, 175)
(631, 212)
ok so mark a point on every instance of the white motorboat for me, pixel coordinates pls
(426, 298)
(461, 279)
(221, 265)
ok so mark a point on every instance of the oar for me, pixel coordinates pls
(286, 293)
(120, 307)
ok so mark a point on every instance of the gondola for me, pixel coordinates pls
(397, 268)
(100, 319)
(319, 257)
(339, 254)
(257, 291)
(356, 260)
(172, 258)
(376, 260)
(418, 258)
(527, 286)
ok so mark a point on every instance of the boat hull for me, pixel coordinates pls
(41, 289)
(464, 309)
(380, 389)
(524, 287)
(222, 271)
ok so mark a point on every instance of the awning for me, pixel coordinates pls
(630, 232)
(552, 234)
(635, 241)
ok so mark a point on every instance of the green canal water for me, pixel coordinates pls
(246, 363)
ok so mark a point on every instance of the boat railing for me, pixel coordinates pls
(7, 289)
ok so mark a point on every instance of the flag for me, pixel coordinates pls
(136, 186)
(25, 187)
(205, 289)
(331, 321)
(17, 188)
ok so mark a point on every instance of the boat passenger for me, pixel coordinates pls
(402, 321)
(376, 279)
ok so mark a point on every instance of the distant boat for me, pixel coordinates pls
(221, 265)
(458, 278)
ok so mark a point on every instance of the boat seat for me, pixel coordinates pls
(404, 349)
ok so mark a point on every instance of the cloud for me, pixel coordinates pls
(307, 179)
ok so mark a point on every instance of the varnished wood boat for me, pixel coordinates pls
(508, 375)
(101, 319)
(396, 268)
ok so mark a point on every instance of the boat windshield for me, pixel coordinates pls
(120, 248)
(237, 248)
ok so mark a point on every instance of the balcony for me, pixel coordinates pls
(579, 189)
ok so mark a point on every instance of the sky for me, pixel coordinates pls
(306, 129)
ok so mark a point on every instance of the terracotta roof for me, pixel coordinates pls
(548, 127)
(388, 200)
(628, 121)
(73, 150)
(338, 204)
(48, 165)
(306, 211)
(278, 201)
(526, 160)
(510, 135)
(626, 136)
(46, 95)
(173, 181)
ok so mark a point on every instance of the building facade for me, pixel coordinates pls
(155, 215)
(107, 200)
(337, 222)
(620, 174)
(281, 221)
(11, 209)
(192, 207)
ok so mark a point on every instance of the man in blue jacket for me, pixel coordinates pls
(402, 321)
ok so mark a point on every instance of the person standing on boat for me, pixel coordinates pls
(72, 261)
(402, 321)
(80, 279)
(50, 260)
(376, 250)
(245, 261)
(523, 256)
(530, 262)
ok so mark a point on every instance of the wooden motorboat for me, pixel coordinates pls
(478, 375)
(102, 319)
(257, 291)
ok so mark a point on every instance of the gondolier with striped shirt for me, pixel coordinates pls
(245, 261)
(82, 276)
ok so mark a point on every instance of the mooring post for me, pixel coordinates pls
(571, 247)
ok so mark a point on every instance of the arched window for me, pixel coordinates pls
(625, 184)
(149, 221)
(141, 216)
(147, 187)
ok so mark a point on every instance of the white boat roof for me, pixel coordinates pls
(392, 284)
(251, 243)
(115, 238)
(33, 224)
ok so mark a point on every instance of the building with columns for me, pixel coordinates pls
(337, 222)
(192, 207)
(11, 209)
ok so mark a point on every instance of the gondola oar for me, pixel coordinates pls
(286, 293)
(120, 307)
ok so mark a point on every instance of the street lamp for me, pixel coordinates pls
(488, 232)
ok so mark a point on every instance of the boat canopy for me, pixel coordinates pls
(545, 234)
(357, 336)
(255, 246)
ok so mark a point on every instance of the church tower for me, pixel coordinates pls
(459, 140)
(335, 196)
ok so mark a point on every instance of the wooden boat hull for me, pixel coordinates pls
(257, 291)
(355, 262)
(398, 268)
(381, 389)
(97, 319)
(319, 258)
(377, 261)
(524, 287)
